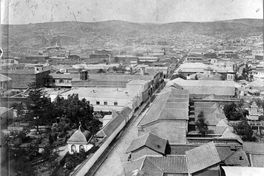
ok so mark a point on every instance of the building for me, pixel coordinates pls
(207, 159)
(255, 151)
(79, 141)
(148, 144)
(108, 98)
(254, 112)
(157, 166)
(66, 79)
(168, 116)
(202, 88)
(5, 83)
(23, 77)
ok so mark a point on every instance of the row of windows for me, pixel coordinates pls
(105, 103)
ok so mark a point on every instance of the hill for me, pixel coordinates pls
(118, 33)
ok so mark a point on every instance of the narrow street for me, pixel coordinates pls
(113, 165)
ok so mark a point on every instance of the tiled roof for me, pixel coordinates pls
(202, 157)
(169, 104)
(158, 166)
(149, 140)
(254, 148)
(77, 138)
(238, 158)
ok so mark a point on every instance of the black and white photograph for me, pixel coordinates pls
(131, 88)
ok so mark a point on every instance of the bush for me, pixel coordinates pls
(244, 130)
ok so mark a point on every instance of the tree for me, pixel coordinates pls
(201, 124)
(233, 112)
(40, 106)
(77, 111)
(244, 130)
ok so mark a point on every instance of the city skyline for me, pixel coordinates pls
(145, 11)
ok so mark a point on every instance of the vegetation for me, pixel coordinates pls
(74, 110)
(244, 130)
(234, 112)
(62, 115)
(201, 124)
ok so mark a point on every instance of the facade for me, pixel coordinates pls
(22, 78)
(5, 83)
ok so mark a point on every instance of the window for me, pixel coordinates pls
(81, 148)
(105, 103)
(98, 102)
(240, 158)
(73, 148)
(115, 103)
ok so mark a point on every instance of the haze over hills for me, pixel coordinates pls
(116, 33)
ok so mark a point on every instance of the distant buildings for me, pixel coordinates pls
(21, 78)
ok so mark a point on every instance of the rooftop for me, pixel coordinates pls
(149, 140)
(202, 157)
(158, 166)
(168, 106)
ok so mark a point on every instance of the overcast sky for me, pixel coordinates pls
(153, 11)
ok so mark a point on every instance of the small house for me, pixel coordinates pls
(79, 141)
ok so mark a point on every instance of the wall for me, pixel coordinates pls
(85, 167)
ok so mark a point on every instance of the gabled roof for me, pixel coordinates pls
(157, 166)
(149, 140)
(238, 158)
(202, 157)
(77, 137)
(118, 118)
(170, 104)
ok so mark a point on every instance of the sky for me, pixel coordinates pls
(150, 11)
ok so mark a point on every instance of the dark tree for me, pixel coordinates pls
(244, 130)
(233, 112)
(39, 106)
(77, 111)
(201, 124)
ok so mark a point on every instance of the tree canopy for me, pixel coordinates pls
(72, 108)
(201, 124)
(244, 130)
(233, 112)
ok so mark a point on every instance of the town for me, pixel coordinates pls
(177, 103)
